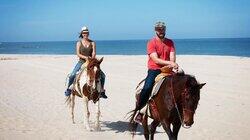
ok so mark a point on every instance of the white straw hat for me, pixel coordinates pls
(84, 29)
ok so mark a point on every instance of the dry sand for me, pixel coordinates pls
(32, 98)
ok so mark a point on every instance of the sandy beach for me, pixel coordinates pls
(32, 98)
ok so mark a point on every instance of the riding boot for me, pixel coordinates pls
(103, 95)
(142, 101)
(67, 92)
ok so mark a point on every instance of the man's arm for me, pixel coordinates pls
(172, 56)
(159, 61)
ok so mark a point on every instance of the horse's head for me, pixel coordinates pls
(93, 72)
(190, 99)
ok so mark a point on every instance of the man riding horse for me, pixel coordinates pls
(161, 52)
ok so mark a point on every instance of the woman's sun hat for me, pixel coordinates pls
(84, 29)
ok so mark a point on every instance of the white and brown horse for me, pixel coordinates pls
(87, 86)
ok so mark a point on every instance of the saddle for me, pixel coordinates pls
(165, 72)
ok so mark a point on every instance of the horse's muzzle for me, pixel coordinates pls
(189, 123)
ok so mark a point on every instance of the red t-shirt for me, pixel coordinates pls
(162, 49)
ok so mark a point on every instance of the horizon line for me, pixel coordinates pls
(128, 39)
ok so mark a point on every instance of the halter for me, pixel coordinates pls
(78, 85)
(89, 88)
(184, 93)
(91, 91)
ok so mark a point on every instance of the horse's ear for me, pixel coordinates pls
(100, 61)
(201, 85)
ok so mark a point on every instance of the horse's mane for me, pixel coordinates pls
(191, 80)
(93, 62)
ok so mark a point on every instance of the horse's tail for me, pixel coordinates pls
(67, 79)
(132, 124)
(68, 101)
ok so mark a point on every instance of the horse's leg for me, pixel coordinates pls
(86, 113)
(176, 128)
(145, 127)
(153, 127)
(98, 113)
(72, 107)
(166, 127)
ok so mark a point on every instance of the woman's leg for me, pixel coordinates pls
(103, 76)
(72, 77)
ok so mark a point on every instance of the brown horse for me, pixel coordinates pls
(87, 85)
(174, 104)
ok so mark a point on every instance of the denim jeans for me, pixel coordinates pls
(147, 88)
(103, 77)
(73, 73)
(76, 69)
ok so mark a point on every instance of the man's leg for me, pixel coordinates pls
(145, 93)
(147, 88)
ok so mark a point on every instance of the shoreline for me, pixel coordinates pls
(32, 97)
(117, 55)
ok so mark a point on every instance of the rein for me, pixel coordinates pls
(90, 89)
(175, 104)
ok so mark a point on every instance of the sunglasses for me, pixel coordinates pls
(160, 29)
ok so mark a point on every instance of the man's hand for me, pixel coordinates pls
(173, 65)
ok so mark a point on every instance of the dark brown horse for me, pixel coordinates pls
(87, 86)
(174, 104)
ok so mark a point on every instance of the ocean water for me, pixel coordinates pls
(226, 47)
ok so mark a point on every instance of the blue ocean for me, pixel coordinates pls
(218, 46)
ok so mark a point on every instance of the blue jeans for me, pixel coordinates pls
(76, 69)
(103, 77)
(73, 73)
(147, 88)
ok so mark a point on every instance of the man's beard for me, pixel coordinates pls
(161, 35)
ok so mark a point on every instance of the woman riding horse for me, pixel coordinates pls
(85, 48)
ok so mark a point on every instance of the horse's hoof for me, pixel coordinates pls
(97, 128)
(88, 128)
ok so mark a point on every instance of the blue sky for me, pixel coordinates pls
(61, 20)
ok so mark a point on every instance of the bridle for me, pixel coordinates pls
(90, 88)
(183, 95)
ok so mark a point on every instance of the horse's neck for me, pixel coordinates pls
(83, 76)
(178, 85)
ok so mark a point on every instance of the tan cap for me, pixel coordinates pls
(160, 24)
